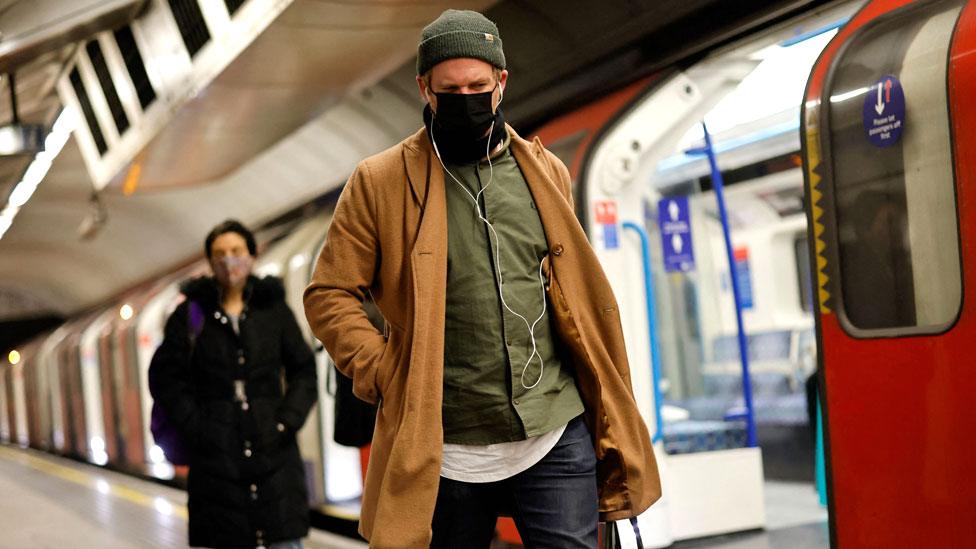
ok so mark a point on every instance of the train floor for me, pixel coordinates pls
(51, 502)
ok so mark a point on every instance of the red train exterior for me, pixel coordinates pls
(898, 389)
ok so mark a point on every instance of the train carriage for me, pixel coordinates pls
(889, 172)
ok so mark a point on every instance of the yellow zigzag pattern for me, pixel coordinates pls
(813, 162)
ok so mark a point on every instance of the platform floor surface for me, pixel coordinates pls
(794, 520)
(56, 503)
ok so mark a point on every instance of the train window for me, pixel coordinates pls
(890, 159)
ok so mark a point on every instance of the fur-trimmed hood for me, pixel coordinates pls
(259, 292)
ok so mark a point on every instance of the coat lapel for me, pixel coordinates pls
(554, 210)
(428, 256)
(426, 179)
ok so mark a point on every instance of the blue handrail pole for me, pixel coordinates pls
(743, 343)
(651, 327)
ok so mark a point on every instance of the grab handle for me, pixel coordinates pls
(651, 326)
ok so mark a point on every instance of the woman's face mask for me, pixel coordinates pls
(232, 271)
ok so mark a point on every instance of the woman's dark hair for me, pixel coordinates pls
(231, 226)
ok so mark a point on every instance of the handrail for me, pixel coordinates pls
(709, 152)
(651, 327)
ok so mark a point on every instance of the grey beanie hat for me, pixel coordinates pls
(459, 33)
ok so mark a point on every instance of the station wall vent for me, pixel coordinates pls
(135, 66)
(192, 25)
(97, 59)
(234, 5)
(128, 84)
(84, 102)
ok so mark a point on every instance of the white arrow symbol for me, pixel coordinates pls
(880, 106)
(677, 243)
(673, 210)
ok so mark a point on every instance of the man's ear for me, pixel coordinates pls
(422, 87)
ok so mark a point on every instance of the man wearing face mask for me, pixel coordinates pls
(217, 377)
(502, 380)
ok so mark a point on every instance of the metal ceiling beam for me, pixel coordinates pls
(32, 28)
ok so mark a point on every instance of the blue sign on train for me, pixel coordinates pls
(674, 218)
(884, 112)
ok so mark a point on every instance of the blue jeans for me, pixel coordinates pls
(554, 502)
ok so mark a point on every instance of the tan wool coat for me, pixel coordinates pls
(389, 237)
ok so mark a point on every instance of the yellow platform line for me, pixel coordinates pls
(95, 482)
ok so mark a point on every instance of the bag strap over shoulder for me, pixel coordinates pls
(195, 313)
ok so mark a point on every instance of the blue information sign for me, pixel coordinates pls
(675, 220)
(610, 240)
(744, 276)
(884, 112)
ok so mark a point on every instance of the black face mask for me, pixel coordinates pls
(460, 124)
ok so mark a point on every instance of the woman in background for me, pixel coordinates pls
(218, 378)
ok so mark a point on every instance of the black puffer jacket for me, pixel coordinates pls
(246, 482)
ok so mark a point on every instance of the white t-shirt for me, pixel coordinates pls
(494, 462)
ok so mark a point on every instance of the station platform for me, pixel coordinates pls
(794, 520)
(52, 502)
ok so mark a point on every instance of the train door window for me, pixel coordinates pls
(889, 148)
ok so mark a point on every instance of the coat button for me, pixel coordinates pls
(240, 360)
(247, 453)
(254, 488)
(280, 427)
(247, 443)
(216, 314)
(223, 320)
(245, 406)
(557, 249)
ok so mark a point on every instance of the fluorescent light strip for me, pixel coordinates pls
(38, 168)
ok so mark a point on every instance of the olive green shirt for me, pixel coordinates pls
(486, 346)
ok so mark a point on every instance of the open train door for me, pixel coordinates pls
(891, 182)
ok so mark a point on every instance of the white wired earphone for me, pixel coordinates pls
(481, 215)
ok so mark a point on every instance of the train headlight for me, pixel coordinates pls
(14, 357)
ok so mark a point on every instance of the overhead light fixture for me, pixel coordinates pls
(38, 168)
(21, 139)
(13, 357)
